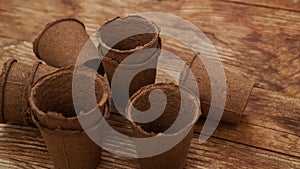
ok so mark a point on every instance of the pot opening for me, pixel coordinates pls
(185, 110)
(128, 33)
(54, 94)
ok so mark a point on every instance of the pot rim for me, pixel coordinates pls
(140, 92)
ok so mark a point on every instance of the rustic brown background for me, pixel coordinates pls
(257, 38)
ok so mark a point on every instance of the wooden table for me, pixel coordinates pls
(257, 38)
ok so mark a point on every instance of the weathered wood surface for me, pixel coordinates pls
(23, 147)
(259, 39)
(262, 42)
(293, 5)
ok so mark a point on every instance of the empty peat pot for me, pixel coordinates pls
(238, 90)
(130, 44)
(62, 41)
(16, 81)
(177, 121)
(65, 132)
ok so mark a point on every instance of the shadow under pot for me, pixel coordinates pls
(130, 47)
(65, 133)
(163, 117)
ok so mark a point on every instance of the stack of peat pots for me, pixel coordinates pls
(42, 94)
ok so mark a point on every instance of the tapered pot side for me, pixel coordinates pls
(71, 149)
(124, 37)
(142, 78)
(64, 132)
(177, 120)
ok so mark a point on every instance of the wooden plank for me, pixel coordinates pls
(262, 43)
(24, 148)
(12, 48)
(252, 135)
(270, 116)
(259, 137)
(247, 135)
(272, 107)
(269, 113)
(218, 153)
(256, 40)
(24, 21)
(291, 5)
(274, 111)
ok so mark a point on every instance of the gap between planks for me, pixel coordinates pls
(281, 5)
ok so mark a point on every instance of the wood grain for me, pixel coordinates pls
(270, 117)
(24, 20)
(259, 39)
(12, 48)
(262, 43)
(290, 5)
(27, 150)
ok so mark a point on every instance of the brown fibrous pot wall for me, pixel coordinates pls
(52, 101)
(16, 82)
(186, 108)
(123, 36)
(238, 90)
(62, 41)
